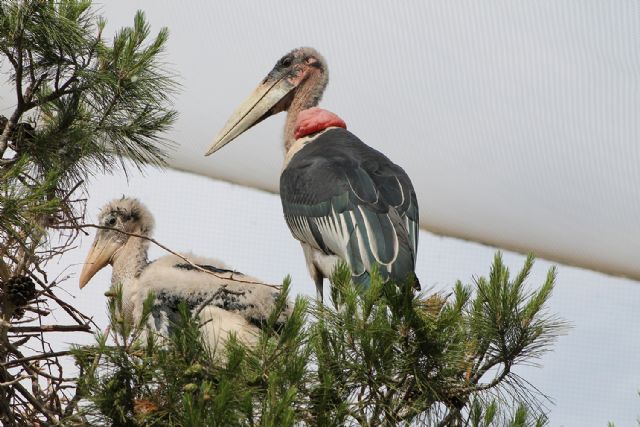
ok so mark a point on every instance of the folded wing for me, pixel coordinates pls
(344, 198)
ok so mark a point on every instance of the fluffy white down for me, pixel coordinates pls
(162, 276)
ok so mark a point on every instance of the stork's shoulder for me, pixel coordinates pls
(171, 260)
(172, 272)
(323, 153)
(337, 161)
(339, 147)
(198, 274)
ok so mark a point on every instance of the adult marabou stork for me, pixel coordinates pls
(225, 303)
(342, 199)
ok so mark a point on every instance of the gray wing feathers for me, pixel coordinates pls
(344, 198)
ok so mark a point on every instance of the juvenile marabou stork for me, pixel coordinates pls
(342, 199)
(224, 304)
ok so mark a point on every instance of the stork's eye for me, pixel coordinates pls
(286, 61)
(112, 221)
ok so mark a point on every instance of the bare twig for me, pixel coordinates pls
(185, 259)
(38, 311)
(15, 380)
(35, 402)
(223, 290)
(51, 328)
(36, 357)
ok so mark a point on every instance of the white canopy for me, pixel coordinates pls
(518, 122)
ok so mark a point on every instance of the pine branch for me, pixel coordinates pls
(50, 328)
(36, 357)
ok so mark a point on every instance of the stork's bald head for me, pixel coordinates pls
(296, 67)
(120, 215)
(127, 214)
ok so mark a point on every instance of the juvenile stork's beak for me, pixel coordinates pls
(99, 256)
(269, 98)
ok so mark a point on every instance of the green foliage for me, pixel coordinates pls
(493, 415)
(380, 356)
(177, 380)
(384, 350)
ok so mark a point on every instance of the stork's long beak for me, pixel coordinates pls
(262, 103)
(100, 254)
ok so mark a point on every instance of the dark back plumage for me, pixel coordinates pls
(347, 199)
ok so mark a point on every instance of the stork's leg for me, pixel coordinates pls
(315, 273)
(319, 281)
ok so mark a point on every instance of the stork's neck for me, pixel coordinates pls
(307, 95)
(129, 261)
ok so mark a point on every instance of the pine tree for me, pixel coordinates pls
(382, 356)
(82, 105)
